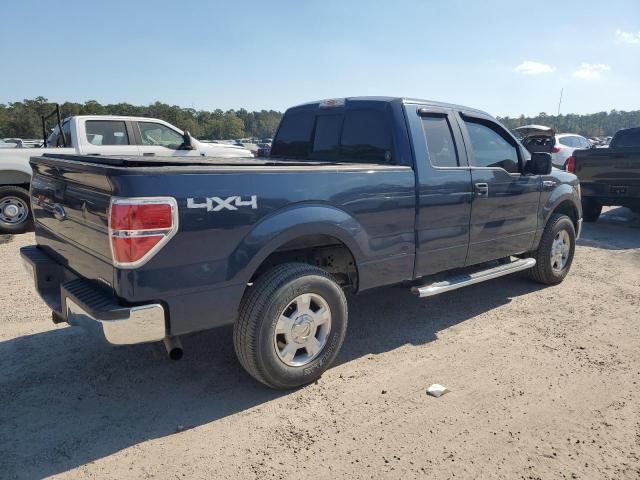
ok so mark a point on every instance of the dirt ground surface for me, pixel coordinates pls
(545, 383)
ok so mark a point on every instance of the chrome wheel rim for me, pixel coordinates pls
(302, 330)
(13, 210)
(560, 250)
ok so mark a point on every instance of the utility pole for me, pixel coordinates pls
(560, 102)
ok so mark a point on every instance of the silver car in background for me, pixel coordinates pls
(564, 144)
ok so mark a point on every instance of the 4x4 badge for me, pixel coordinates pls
(216, 204)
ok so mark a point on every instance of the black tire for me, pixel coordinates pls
(591, 209)
(544, 272)
(254, 333)
(19, 198)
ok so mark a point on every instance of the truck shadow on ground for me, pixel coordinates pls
(68, 400)
(617, 229)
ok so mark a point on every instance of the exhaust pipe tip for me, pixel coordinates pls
(174, 347)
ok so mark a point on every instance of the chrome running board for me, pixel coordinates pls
(463, 280)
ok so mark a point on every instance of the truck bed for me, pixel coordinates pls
(213, 248)
(612, 175)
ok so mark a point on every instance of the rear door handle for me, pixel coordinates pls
(148, 154)
(548, 184)
(482, 189)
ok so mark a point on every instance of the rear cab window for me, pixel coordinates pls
(344, 133)
(627, 139)
(56, 140)
(293, 138)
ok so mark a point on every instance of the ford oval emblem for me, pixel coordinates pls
(58, 212)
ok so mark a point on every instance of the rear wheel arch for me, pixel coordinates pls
(298, 228)
(324, 251)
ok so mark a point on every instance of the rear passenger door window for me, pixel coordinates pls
(106, 132)
(567, 141)
(491, 146)
(439, 138)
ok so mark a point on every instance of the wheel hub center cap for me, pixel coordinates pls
(11, 210)
(302, 328)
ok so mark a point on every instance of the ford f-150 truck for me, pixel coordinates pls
(358, 193)
(609, 176)
(95, 135)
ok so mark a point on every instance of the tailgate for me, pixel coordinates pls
(70, 208)
(609, 173)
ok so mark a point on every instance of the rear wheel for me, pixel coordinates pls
(291, 326)
(554, 255)
(15, 211)
(591, 209)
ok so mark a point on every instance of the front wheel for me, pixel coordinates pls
(292, 323)
(554, 255)
(15, 211)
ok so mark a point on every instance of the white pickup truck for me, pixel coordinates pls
(95, 135)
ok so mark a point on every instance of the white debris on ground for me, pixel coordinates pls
(437, 390)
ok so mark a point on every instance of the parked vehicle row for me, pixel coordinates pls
(20, 143)
(95, 135)
(358, 193)
(600, 142)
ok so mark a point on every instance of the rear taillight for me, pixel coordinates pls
(571, 164)
(555, 149)
(139, 228)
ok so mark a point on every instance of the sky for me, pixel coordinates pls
(499, 56)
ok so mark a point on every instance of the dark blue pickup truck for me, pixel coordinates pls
(358, 193)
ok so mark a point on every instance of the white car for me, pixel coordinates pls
(564, 147)
(95, 135)
(564, 144)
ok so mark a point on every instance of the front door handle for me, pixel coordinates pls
(482, 189)
(548, 184)
(148, 154)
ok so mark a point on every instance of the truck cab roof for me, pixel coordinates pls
(335, 102)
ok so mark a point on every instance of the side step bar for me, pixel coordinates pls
(464, 280)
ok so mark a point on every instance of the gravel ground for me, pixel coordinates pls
(545, 383)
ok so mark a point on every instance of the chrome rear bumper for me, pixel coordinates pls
(140, 324)
(81, 303)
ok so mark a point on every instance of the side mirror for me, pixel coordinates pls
(187, 141)
(540, 164)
